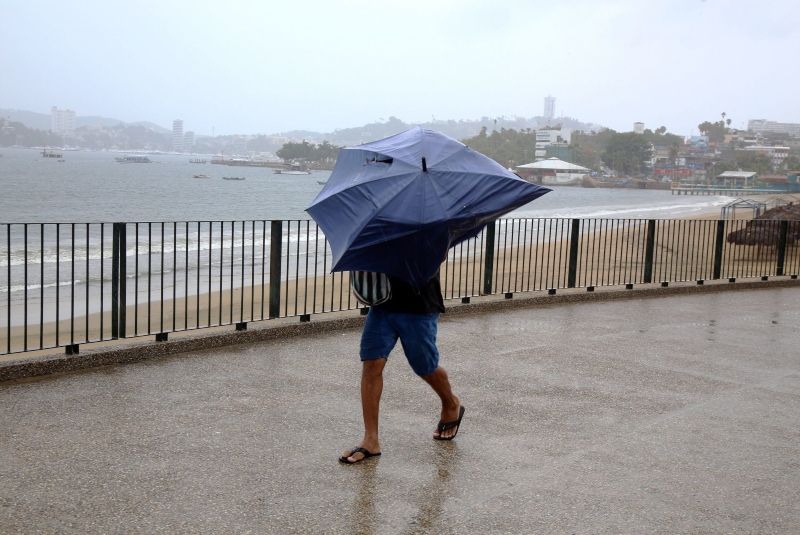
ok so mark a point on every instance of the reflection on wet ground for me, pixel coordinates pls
(652, 415)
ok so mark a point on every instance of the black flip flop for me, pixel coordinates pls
(444, 427)
(363, 451)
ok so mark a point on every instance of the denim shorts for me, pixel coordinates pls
(417, 334)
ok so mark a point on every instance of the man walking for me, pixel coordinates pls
(412, 316)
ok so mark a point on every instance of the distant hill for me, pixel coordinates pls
(38, 121)
(92, 120)
(461, 129)
(152, 126)
(41, 121)
(456, 129)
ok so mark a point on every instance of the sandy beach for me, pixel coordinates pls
(610, 252)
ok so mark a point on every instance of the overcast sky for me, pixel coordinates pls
(267, 66)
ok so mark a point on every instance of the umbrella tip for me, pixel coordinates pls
(424, 165)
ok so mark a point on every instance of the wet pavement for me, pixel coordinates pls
(661, 415)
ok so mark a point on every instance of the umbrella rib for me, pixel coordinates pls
(381, 209)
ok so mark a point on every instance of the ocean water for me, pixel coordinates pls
(90, 188)
(93, 187)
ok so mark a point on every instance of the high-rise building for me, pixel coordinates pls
(773, 127)
(62, 122)
(638, 128)
(177, 135)
(240, 145)
(549, 107)
(188, 140)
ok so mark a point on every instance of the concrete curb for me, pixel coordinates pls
(137, 351)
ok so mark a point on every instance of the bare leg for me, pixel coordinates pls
(371, 390)
(440, 383)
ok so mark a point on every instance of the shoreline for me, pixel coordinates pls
(460, 277)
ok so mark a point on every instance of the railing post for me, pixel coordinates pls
(118, 281)
(488, 258)
(115, 281)
(275, 253)
(123, 279)
(575, 236)
(650, 246)
(718, 248)
(782, 247)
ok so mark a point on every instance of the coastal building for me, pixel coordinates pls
(549, 107)
(763, 126)
(638, 128)
(777, 154)
(62, 122)
(188, 140)
(550, 138)
(240, 145)
(177, 135)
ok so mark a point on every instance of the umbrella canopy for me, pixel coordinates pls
(397, 205)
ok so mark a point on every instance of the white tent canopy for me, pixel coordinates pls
(554, 164)
(737, 174)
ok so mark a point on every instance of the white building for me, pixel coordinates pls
(548, 138)
(638, 128)
(240, 145)
(188, 140)
(177, 135)
(62, 122)
(764, 126)
(777, 154)
(549, 107)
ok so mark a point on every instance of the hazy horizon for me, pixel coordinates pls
(251, 67)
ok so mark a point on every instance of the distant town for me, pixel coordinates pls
(767, 152)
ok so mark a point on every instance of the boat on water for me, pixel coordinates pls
(62, 160)
(233, 178)
(322, 182)
(133, 159)
(202, 176)
(295, 169)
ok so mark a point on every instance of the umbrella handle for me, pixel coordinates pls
(424, 165)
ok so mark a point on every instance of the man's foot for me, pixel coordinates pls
(452, 417)
(357, 454)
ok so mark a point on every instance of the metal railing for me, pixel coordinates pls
(63, 285)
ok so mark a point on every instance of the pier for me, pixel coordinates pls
(721, 190)
(248, 163)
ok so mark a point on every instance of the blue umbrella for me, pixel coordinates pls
(397, 205)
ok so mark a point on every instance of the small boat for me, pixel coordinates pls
(322, 182)
(62, 160)
(233, 178)
(134, 159)
(202, 176)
